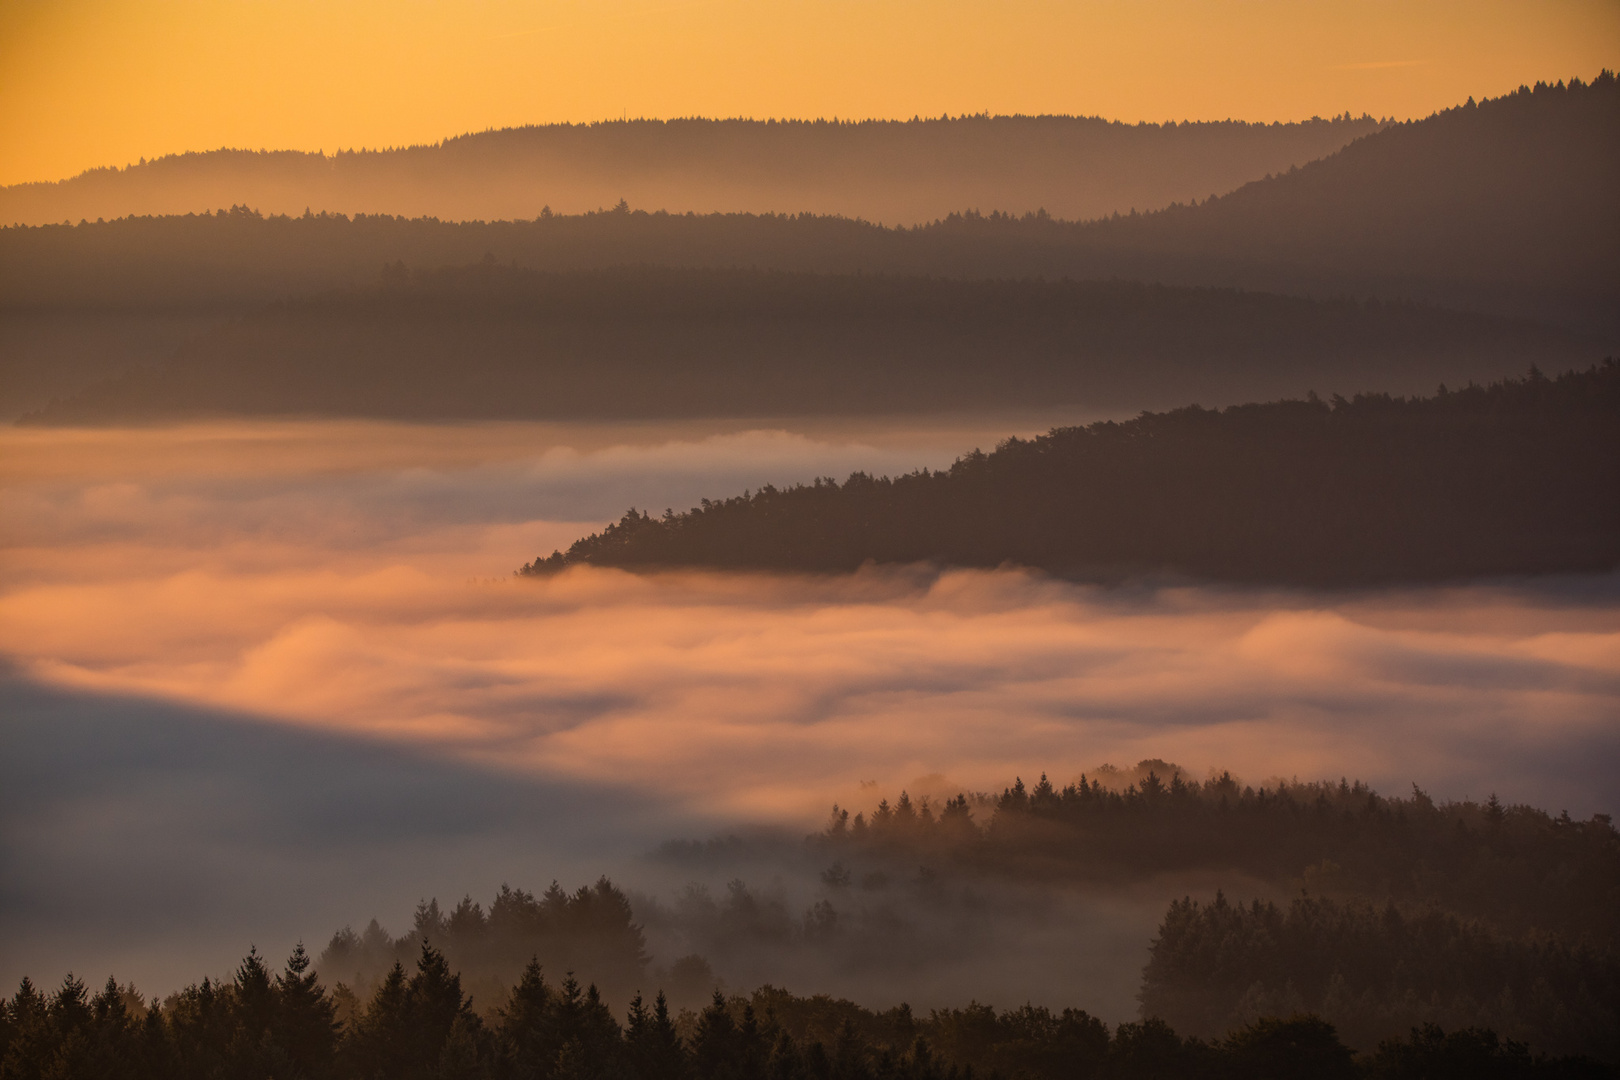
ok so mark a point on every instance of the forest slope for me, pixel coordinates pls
(1510, 201)
(882, 170)
(1519, 477)
(490, 341)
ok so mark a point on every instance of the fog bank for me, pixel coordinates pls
(278, 677)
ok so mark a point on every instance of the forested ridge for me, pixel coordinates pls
(1502, 207)
(1504, 201)
(1518, 477)
(883, 170)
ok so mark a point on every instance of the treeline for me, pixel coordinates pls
(1517, 867)
(1374, 971)
(1518, 477)
(905, 171)
(591, 930)
(423, 1024)
(493, 341)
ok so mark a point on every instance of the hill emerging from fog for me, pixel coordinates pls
(1521, 477)
(881, 170)
(489, 342)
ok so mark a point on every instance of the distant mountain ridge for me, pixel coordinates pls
(1506, 207)
(880, 170)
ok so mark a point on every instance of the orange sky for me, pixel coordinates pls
(94, 82)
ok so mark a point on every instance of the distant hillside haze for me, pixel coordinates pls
(494, 342)
(1504, 209)
(901, 172)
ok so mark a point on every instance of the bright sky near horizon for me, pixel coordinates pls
(85, 83)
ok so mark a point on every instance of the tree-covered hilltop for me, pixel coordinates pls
(1375, 971)
(1518, 477)
(1405, 912)
(422, 1024)
(492, 341)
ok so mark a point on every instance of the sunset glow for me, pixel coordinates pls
(107, 83)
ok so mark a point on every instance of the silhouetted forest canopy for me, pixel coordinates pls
(1518, 477)
(492, 341)
(256, 1025)
(883, 170)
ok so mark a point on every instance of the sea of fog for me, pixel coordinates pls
(258, 681)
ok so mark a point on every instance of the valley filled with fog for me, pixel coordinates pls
(267, 679)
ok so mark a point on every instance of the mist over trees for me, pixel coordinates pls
(895, 171)
(1372, 970)
(495, 342)
(1404, 911)
(1522, 476)
(1378, 913)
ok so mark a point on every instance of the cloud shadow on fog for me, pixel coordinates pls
(156, 841)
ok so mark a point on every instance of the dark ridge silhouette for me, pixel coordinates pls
(894, 171)
(1506, 199)
(1503, 207)
(1508, 204)
(421, 1023)
(425, 1024)
(1520, 477)
(491, 341)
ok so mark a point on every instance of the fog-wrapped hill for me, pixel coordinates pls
(1521, 477)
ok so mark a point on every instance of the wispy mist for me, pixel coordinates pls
(242, 655)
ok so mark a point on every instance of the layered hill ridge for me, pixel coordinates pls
(893, 171)
(1503, 207)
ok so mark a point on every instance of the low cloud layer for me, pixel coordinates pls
(353, 582)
